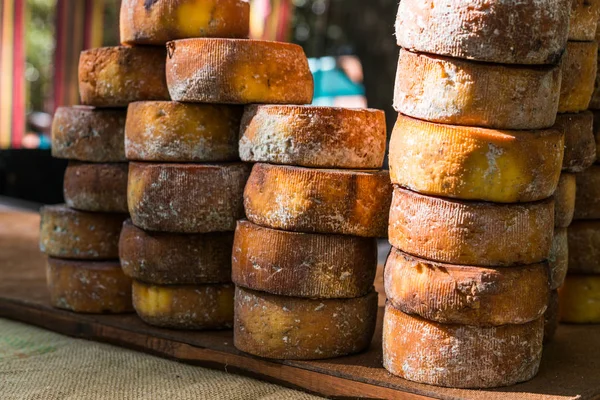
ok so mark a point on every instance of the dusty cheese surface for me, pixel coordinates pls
(584, 247)
(580, 299)
(579, 68)
(587, 199)
(564, 200)
(580, 146)
(558, 260)
(584, 20)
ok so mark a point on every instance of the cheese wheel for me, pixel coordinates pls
(471, 233)
(551, 317)
(584, 20)
(175, 259)
(72, 234)
(584, 247)
(186, 198)
(475, 163)
(319, 200)
(323, 137)
(98, 287)
(503, 31)
(558, 260)
(292, 328)
(580, 146)
(199, 307)
(303, 264)
(453, 91)
(117, 76)
(165, 131)
(587, 200)
(579, 67)
(468, 295)
(234, 71)
(564, 200)
(595, 102)
(460, 356)
(156, 22)
(88, 134)
(96, 187)
(580, 299)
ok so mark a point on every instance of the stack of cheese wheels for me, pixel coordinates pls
(475, 163)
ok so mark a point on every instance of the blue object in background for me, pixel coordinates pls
(331, 82)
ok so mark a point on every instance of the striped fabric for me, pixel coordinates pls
(271, 19)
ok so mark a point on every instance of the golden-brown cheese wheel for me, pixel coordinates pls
(558, 260)
(292, 328)
(98, 287)
(587, 199)
(199, 307)
(471, 233)
(72, 234)
(579, 67)
(584, 20)
(580, 299)
(345, 202)
(584, 247)
(156, 22)
(88, 134)
(164, 131)
(460, 356)
(234, 71)
(564, 200)
(117, 76)
(551, 317)
(458, 92)
(475, 163)
(309, 136)
(303, 264)
(99, 187)
(186, 198)
(501, 31)
(580, 146)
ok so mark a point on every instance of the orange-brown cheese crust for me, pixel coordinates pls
(309, 136)
(164, 131)
(580, 299)
(471, 233)
(475, 163)
(96, 186)
(98, 287)
(587, 199)
(88, 134)
(551, 317)
(467, 295)
(558, 260)
(307, 200)
(579, 67)
(292, 328)
(584, 247)
(156, 22)
(460, 356)
(580, 145)
(186, 198)
(199, 307)
(72, 234)
(584, 20)
(175, 259)
(458, 92)
(502, 31)
(564, 200)
(303, 264)
(117, 76)
(234, 71)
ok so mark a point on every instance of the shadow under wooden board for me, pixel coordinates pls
(570, 368)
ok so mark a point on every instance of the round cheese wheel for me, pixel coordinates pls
(234, 71)
(303, 264)
(98, 287)
(584, 247)
(291, 328)
(96, 187)
(186, 198)
(88, 134)
(156, 22)
(319, 200)
(72, 234)
(552, 317)
(580, 146)
(584, 20)
(117, 76)
(475, 163)
(164, 131)
(595, 102)
(579, 67)
(580, 299)
(587, 200)
(471, 233)
(199, 307)
(558, 260)
(564, 200)
(460, 356)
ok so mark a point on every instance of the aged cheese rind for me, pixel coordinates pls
(551, 317)
(460, 356)
(579, 68)
(471, 233)
(303, 264)
(309, 136)
(346, 202)
(163, 131)
(584, 20)
(587, 199)
(580, 146)
(292, 328)
(234, 71)
(558, 260)
(99, 187)
(580, 299)
(72, 234)
(467, 295)
(186, 198)
(564, 200)
(158, 21)
(198, 307)
(504, 31)
(458, 92)
(88, 134)
(584, 247)
(98, 287)
(595, 102)
(117, 76)
(475, 163)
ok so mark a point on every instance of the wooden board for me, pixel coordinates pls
(570, 368)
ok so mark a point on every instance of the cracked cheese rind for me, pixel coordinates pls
(580, 146)
(551, 317)
(579, 68)
(99, 187)
(580, 299)
(564, 200)
(584, 247)
(587, 199)
(584, 20)
(558, 260)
